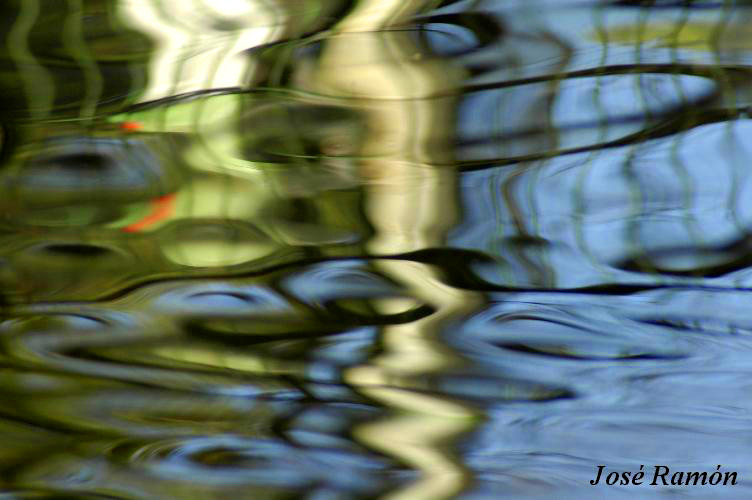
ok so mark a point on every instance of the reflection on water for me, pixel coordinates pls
(399, 249)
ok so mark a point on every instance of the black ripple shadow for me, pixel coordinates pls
(575, 347)
(486, 30)
(731, 257)
(672, 120)
(455, 265)
(245, 330)
(668, 122)
(485, 389)
(69, 168)
(552, 351)
(77, 250)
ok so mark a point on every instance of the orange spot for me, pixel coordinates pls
(131, 126)
(161, 209)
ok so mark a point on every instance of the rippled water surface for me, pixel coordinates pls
(333, 249)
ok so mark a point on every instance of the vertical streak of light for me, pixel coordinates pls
(578, 193)
(74, 40)
(637, 198)
(38, 83)
(685, 179)
(177, 59)
(135, 67)
(715, 44)
(729, 91)
(547, 273)
(497, 175)
(223, 54)
(519, 215)
(174, 56)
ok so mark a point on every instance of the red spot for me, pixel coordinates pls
(131, 126)
(161, 209)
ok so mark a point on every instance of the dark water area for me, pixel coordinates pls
(330, 249)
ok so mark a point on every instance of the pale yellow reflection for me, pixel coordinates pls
(411, 203)
(424, 426)
(244, 362)
(218, 253)
(199, 44)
